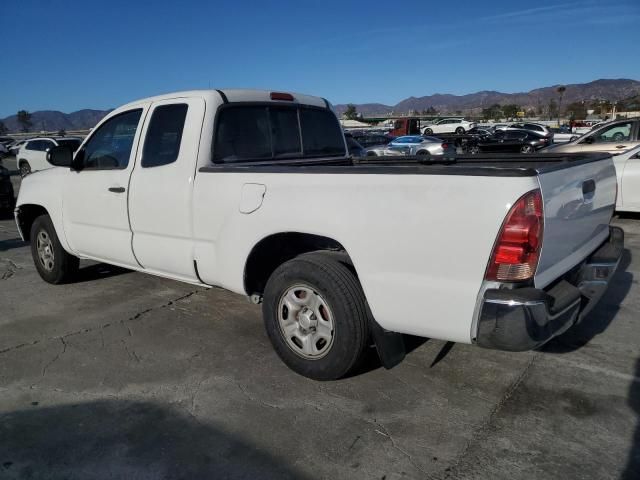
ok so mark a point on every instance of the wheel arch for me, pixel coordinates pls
(272, 251)
(26, 215)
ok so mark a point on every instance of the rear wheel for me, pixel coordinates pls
(25, 168)
(423, 153)
(526, 149)
(459, 131)
(315, 315)
(53, 263)
(428, 131)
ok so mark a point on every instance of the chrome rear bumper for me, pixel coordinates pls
(525, 318)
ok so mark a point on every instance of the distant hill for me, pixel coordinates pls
(52, 120)
(612, 90)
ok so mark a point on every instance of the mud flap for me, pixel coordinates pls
(390, 345)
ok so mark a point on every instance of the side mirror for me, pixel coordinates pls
(60, 156)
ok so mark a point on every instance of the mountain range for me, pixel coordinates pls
(473, 103)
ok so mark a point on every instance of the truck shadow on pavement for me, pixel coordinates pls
(11, 243)
(125, 439)
(599, 319)
(98, 271)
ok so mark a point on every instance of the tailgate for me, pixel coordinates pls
(578, 204)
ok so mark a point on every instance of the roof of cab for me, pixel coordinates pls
(232, 95)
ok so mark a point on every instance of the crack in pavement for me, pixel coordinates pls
(56, 358)
(100, 327)
(10, 270)
(453, 471)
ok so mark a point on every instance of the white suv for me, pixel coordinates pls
(32, 155)
(449, 125)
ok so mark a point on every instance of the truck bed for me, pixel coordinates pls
(492, 165)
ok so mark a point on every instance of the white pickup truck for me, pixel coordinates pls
(254, 191)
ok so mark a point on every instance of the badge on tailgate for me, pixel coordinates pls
(251, 197)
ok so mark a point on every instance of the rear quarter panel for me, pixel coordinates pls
(420, 243)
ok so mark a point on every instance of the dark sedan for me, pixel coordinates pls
(7, 197)
(509, 141)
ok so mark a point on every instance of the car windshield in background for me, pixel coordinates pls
(73, 143)
(256, 133)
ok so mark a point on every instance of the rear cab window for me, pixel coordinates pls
(265, 132)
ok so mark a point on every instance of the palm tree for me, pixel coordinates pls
(561, 89)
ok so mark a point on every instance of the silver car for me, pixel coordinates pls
(410, 145)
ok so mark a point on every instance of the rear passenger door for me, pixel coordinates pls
(161, 188)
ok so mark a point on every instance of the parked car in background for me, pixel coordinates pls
(628, 173)
(32, 155)
(448, 125)
(480, 132)
(509, 141)
(499, 126)
(14, 147)
(534, 127)
(369, 140)
(563, 134)
(613, 137)
(355, 149)
(413, 145)
(7, 197)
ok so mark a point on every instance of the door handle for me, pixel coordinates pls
(116, 189)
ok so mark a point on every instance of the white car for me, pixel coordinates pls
(32, 155)
(628, 172)
(411, 145)
(449, 125)
(254, 191)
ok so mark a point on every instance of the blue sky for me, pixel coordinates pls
(96, 54)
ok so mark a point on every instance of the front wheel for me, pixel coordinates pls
(315, 315)
(459, 131)
(526, 149)
(428, 131)
(53, 263)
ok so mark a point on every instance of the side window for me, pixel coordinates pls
(110, 146)
(46, 145)
(242, 134)
(620, 132)
(32, 145)
(164, 135)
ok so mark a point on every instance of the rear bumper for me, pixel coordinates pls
(525, 318)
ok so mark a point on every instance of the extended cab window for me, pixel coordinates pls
(257, 132)
(110, 146)
(164, 135)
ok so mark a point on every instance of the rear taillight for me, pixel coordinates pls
(444, 146)
(517, 249)
(281, 96)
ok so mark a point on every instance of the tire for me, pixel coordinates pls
(428, 131)
(459, 131)
(331, 316)
(474, 150)
(423, 153)
(372, 154)
(572, 139)
(25, 168)
(53, 263)
(526, 149)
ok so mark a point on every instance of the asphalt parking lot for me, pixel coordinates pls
(125, 375)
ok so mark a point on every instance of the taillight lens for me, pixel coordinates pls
(517, 249)
(444, 146)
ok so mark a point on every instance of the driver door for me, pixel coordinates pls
(613, 139)
(96, 219)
